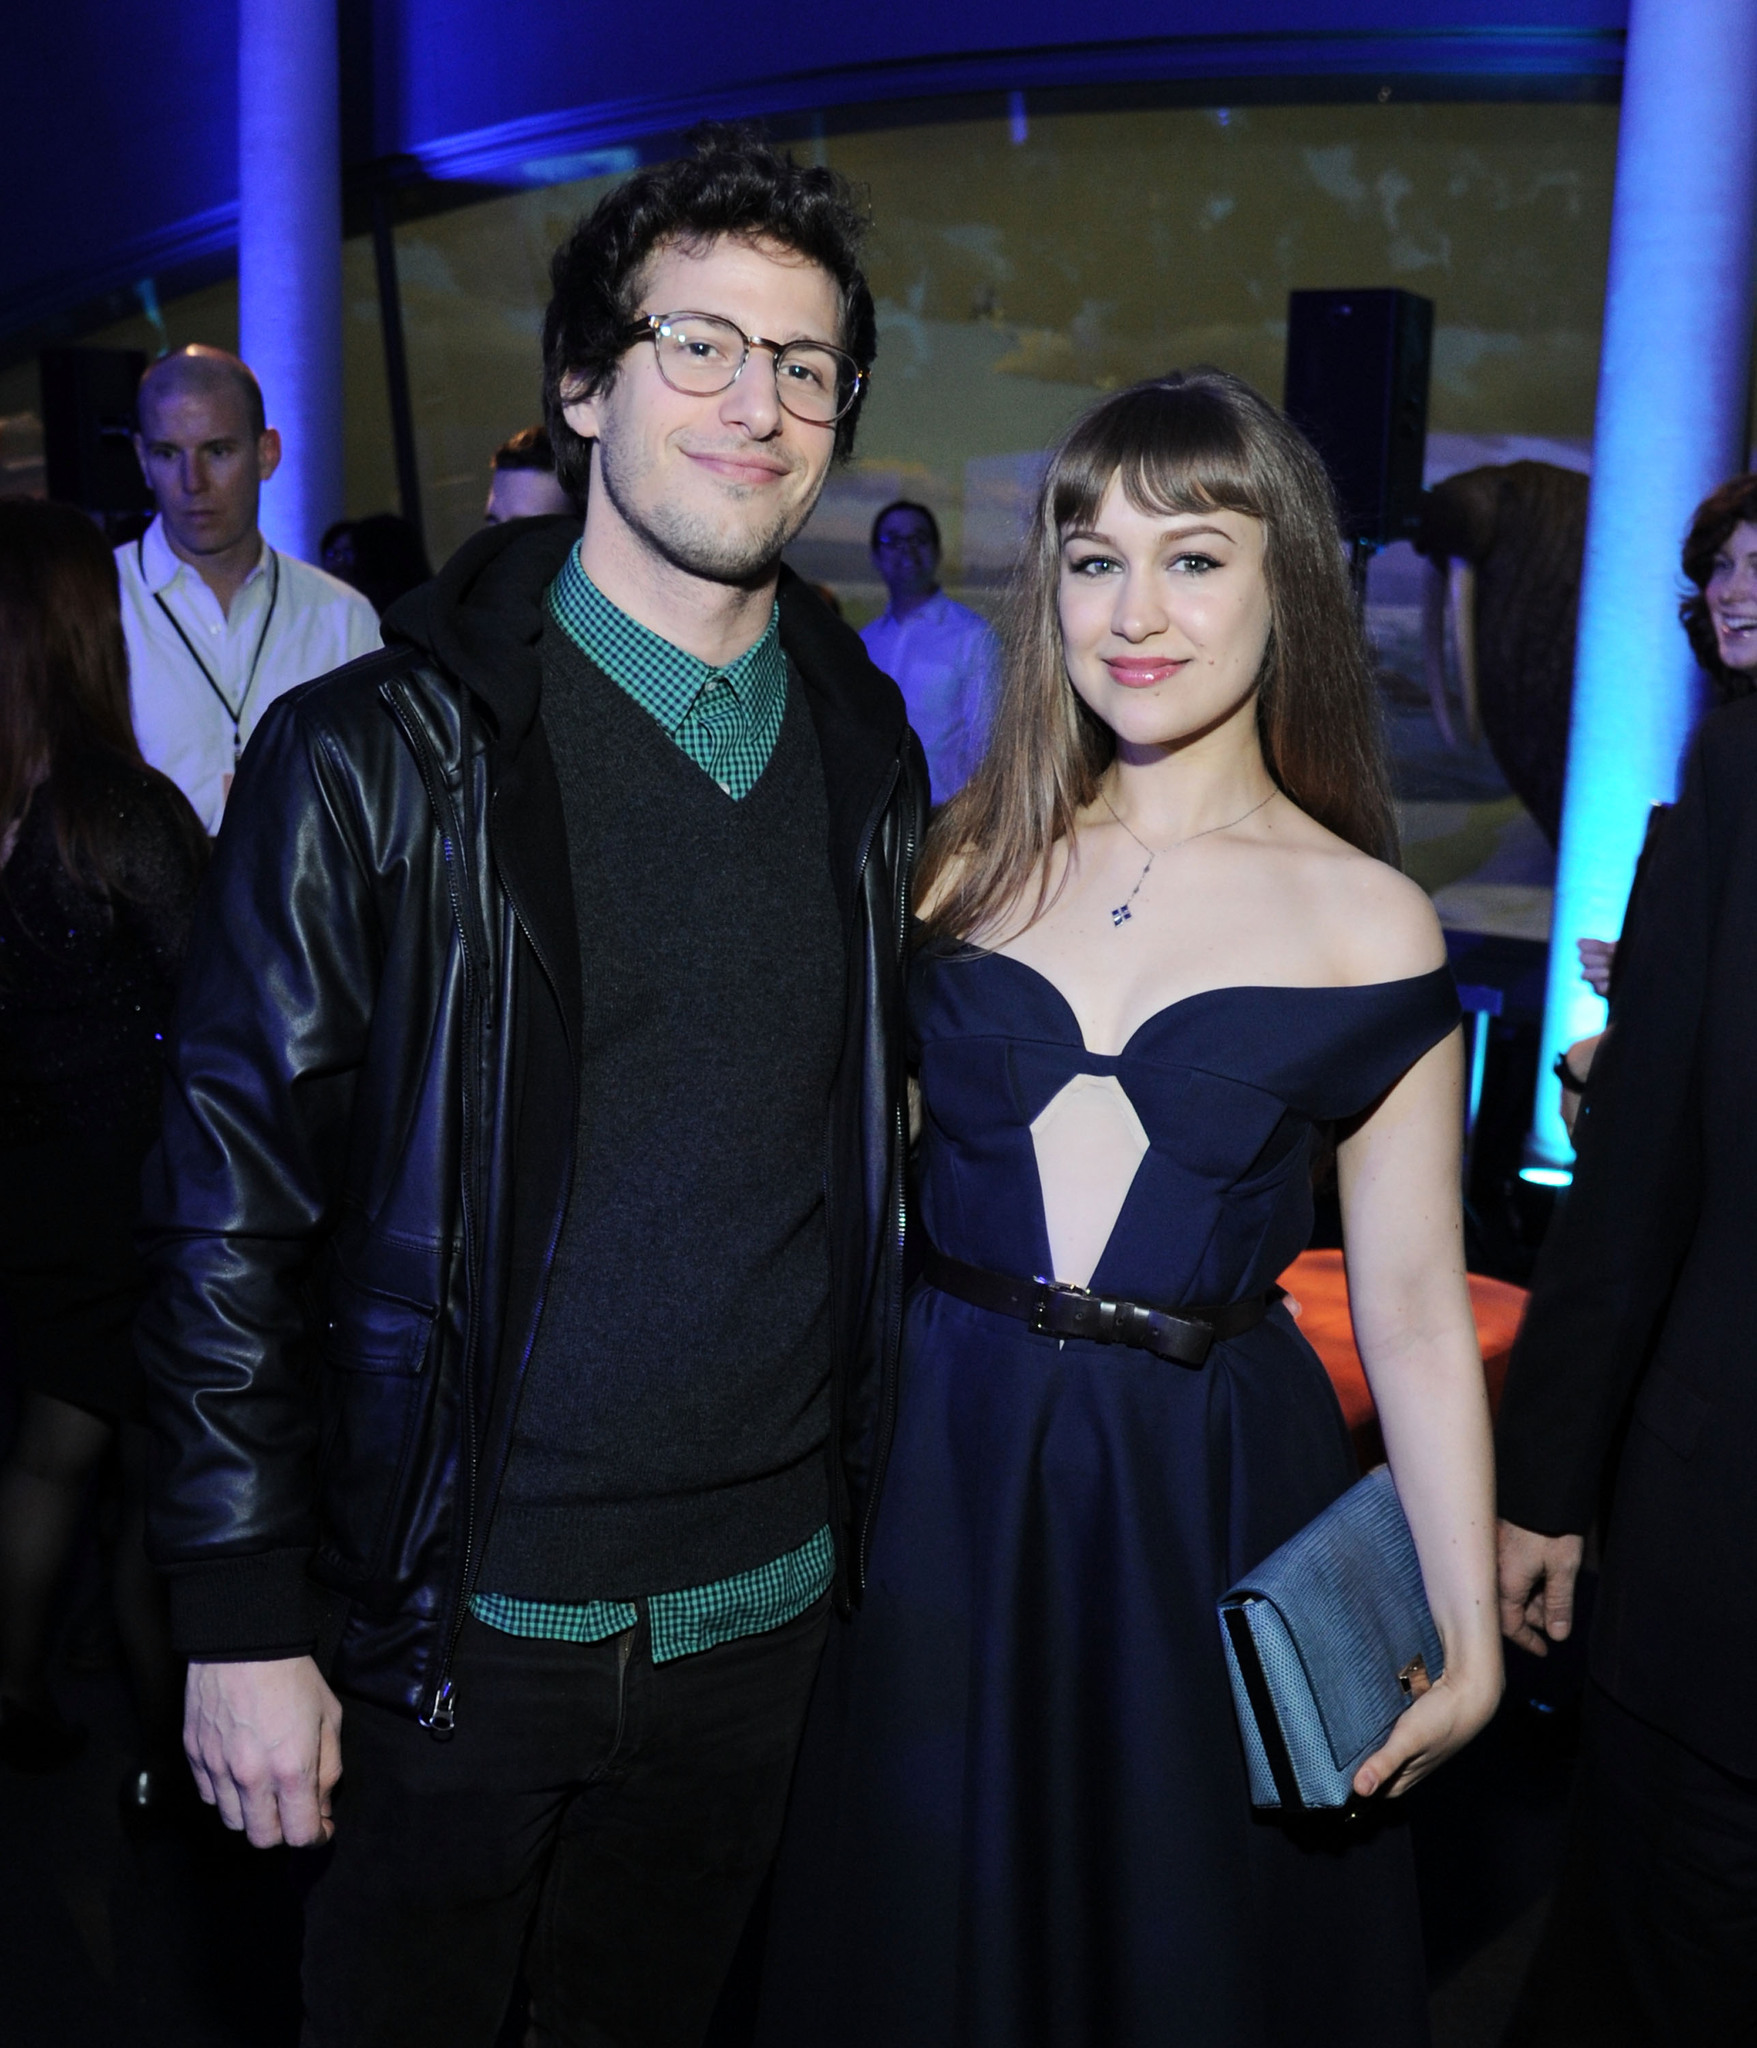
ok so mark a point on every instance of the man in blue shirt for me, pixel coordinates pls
(939, 653)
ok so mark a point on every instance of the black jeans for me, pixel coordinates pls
(1651, 1941)
(606, 1819)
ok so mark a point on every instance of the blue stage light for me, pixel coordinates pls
(1674, 376)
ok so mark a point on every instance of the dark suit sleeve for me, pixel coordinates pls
(272, 1019)
(1620, 1236)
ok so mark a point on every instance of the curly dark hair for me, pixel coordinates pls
(733, 184)
(1733, 505)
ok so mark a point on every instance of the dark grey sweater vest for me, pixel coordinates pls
(672, 1423)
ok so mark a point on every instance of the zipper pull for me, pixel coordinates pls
(441, 1718)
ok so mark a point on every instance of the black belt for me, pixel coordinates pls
(1055, 1309)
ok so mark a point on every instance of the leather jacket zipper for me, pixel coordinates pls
(887, 1416)
(440, 1717)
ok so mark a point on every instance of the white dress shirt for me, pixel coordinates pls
(198, 692)
(943, 658)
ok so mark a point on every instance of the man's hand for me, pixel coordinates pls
(1537, 1586)
(264, 1742)
(1597, 958)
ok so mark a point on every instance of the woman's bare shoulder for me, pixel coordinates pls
(1389, 926)
(1382, 925)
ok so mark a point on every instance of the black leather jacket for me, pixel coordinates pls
(369, 1123)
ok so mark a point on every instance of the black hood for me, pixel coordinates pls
(481, 617)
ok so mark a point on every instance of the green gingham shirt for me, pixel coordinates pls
(747, 1604)
(726, 721)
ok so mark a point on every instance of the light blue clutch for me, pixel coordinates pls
(1327, 1642)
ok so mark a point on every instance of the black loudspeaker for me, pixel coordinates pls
(88, 429)
(1357, 387)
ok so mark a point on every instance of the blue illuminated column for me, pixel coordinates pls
(1674, 375)
(290, 254)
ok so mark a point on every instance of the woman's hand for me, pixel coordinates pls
(1444, 1717)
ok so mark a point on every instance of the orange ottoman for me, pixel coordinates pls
(1318, 1282)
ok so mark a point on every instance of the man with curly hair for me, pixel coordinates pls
(526, 1224)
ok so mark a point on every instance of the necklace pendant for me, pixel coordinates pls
(1121, 914)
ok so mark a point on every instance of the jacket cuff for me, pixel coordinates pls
(238, 1610)
(1541, 1500)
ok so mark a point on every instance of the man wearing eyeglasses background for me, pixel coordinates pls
(939, 653)
(526, 1222)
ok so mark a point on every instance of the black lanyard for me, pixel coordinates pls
(208, 676)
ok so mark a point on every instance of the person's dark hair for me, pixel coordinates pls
(529, 448)
(388, 559)
(1195, 441)
(733, 184)
(1711, 527)
(65, 724)
(905, 505)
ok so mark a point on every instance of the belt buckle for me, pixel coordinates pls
(1049, 1292)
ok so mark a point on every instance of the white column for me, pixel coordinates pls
(290, 254)
(1674, 377)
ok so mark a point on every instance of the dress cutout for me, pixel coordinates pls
(1089, 1145)
(1020, 1817)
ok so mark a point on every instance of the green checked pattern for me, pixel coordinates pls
(747, 1604)
(726, 720)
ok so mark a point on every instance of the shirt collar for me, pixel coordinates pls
(927, 611)
(161, 566)
(662, 678)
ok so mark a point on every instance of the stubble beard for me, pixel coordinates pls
(692, 542)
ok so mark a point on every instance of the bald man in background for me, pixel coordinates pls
(218, 623)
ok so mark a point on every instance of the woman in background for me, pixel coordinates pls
(1630, 1407)
(1163, 957)
(99, 861)
(1719, 618)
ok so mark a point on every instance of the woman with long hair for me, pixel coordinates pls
(1165, 963)
(99, 860)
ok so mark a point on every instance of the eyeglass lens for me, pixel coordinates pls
(702, 355)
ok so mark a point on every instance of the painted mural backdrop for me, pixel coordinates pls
(1022, 265)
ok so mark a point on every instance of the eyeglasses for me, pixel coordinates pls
(701, 354)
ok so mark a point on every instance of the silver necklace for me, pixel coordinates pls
(1120, 912)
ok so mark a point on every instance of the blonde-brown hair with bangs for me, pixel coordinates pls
(1195, 441)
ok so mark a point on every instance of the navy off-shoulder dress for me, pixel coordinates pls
(1021, 1815)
